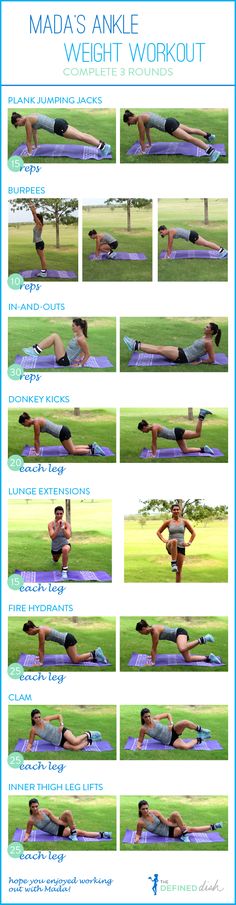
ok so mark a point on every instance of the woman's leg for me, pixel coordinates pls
(184, 724)
(53, 340)
(189, 435)
(176, 819)
(75, 450)
(68, 819)
(105, 248)
(170, 352)
(185, 746)
(75, 742)
(192, 131)
(185, 646)
(78, 658)
(90, 835)
(206, 244)
(171, 546)
(65, 555)
(188, 449)
(81, 136)
(40, 253)
(180, 562)
(184, 134)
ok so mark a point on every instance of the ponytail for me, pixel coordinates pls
(80, 322)
(216, 333)
(27, 625)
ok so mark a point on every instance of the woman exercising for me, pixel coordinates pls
(37, 239)
(60, 534)
(65, 639)
(179, 434)
(170, 734)
(178, 636)
(189, 235)
(193, 354)
(175, 545)
(57, 126)
(63, 826)
(58, 736)
(147, 121)
(172, 826)
(61, 432)
(76, 352)
(105, 243)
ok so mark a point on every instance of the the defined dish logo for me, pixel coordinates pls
(154, 881)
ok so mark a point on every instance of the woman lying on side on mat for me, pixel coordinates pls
(76, 352)
(147, 121)
(58, 735)
(175, 545)
(189, 235)
(179, 434)
(61, 432)
(172, 826)
(178, 636)
(170, 734)
(63, 826)
(65, 639)
(192, 354)
(37, 239)
(57, 126)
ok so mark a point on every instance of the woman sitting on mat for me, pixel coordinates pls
(65, 639)
(178, 636)
(170, 734)
(57, 126)
(147, 121)
(172, 826)
(63, 826)
(105, 244)
(76, 352)
(189, 235)
(37, 239)
(60, 737)
(192, 354)
(179, 434)
(175, 545)
(61, 432)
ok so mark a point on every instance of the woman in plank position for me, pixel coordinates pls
(175, 545)
(58, 736)
(178, 636)
(42, 425)
(171, 734)
(65, 639)
(62, 827)
(172, 826)
(179, 434)
(76, 351)
(33, 123)
(147, 121)
(189, 235)
(193, 354)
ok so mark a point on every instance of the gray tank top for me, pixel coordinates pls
(73, 349)
(50, 428)
(196, 350)
(167, 433)
(37, 234)
(50, 733)
(46, 824)
(181, 233)
(108, 238)
(156, 826)
(168, 634)
(58, 637)
(176, 531)
(160, 732)
(60, 540)
(156, 122)
(44, 122)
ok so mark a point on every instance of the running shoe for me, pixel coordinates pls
(100, 656)
(213, 659)
(30, 350)
(218, 825)
(174, 567)
(105, 150)
(112, 255)
(213, 156)
(208, 450)
(94, 736)
(106, 835)
(184, 837)
(42, 273)
(204, 733)
(73, 836)
(223, 253)
(97, 450)
(203, 413)
(64, 575)
(210, 137)
(206, 639)
(131, 343)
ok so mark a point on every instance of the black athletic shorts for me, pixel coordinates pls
(193, 236)
(181, 360)
(63, 737)
(171, 124)
(60, 126)
(113, 245)
(182, 631)
(64, 361)
(171, 832)
(39, 245)
(179, 433)
(70, 640)
(65, 433)
(61, 829)
(174, 736)
(58, 552)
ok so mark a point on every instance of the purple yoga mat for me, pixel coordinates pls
(166, 660)
(153, 839)
(77, 152)
(173, 147)
(176, 453)
(39, 836)
(40, 745)
(143, 360)
(28, 660)
(58, 451)
(121, 256)
(52, 274)
(151, 744)
(32, 577)
(41, 362)
(193, 253)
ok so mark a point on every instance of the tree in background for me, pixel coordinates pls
(55, 210)
(128, 203)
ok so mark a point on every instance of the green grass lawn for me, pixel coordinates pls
(146, 558)
(90, 633)
(29, 545)
(23, 255)
(195, 626)
(99, 123)
(114, 221)
(94, 813)
(214, 433)
(169, 331)
(78, 719)
(188, 213)
(195, 811)
(213, 717)
(214, 121)
(23, 331)
(90, 425)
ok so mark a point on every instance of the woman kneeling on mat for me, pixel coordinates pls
(37, 239)
(105, 244)
(170, 734)
(189, 235)
(65, 639)
(60, 534)
(63, 826)
(172, 826)
(61, 432)
(192, 354)
(76, 352)
(60, 737)
(147, 121)
(175, 546)
(56, 126)
(179, 434)
(178, 636)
